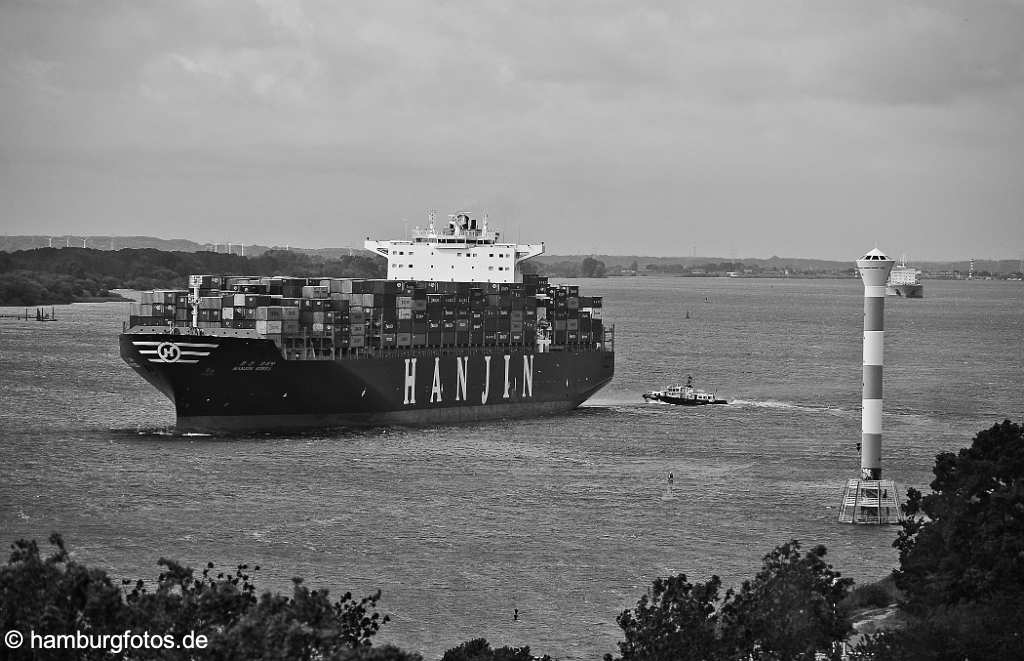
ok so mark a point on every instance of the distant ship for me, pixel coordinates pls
(684, 395)
(904, 281)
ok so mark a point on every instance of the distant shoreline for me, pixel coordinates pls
(102, 299)
(81, 299)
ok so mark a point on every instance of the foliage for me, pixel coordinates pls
(564, 269)
(871, 595)
(989, 630)
(588, 267)
(529, 268)
(27, 288)
(592, 268)
(57, 595)
(677, 620)
(479, 649)
(962, 562)
(52, 275)
(971, 546)
(788, 611)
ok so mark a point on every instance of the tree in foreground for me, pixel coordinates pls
(56, 595)
(676, 620)
(479, 649)
(791, 608)
(962, 556)
(788, 611)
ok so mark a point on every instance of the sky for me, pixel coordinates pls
(812, 128)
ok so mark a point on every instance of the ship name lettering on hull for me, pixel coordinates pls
(463, 379)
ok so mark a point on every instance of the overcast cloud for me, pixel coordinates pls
(797, 128)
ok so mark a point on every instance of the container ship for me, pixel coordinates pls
(454, 333)
(904, 281)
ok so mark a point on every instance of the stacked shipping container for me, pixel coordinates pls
(336, 317)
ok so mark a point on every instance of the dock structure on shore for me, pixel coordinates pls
(40, 315)
(870, 499)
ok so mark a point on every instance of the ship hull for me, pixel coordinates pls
(238, 384)
(678, 401)
(906, 291)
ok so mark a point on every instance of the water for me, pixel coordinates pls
(567, 518)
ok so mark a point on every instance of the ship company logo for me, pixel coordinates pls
(174, 352)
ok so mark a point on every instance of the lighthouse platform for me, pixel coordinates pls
(872, 502)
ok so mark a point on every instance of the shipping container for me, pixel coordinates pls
(268, 327)
(205, 281)
(269, 313)
(316, 292)
(209, 315)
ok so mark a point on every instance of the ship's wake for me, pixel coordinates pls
(795, 406)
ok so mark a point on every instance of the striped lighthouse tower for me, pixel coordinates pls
(870, 499)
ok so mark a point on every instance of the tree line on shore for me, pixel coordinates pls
(960, 584)
(50, 275)
(47, 276)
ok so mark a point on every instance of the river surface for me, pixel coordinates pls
(566, 518)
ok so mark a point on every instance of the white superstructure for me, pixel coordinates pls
(904, 275)
(464, 251)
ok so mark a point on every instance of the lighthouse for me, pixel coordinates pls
(869, 498)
